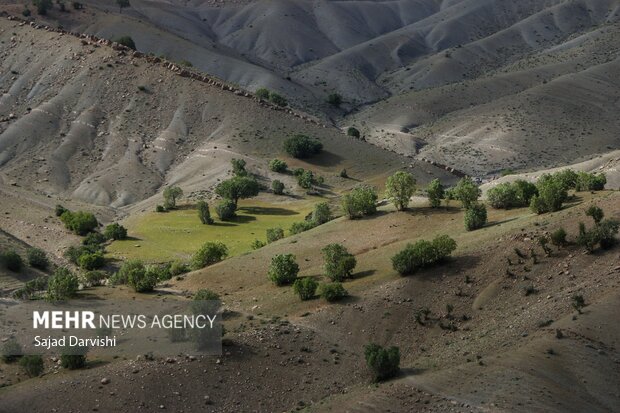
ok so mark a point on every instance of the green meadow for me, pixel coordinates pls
(160, 237)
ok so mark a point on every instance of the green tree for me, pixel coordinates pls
(306, 179)
(62, 285)
(475, 216)
(299, 227)
(277, 165)
(32, 365)
(203, 213)
(305, 288)
(238, 166)
(12, 261)
(277, 187)
(115, 231)
(283, 269)
(225, 209)
(262, 93)
(274, 234)
(334, 99)
(423, 254)
(596, 213)
(466, 191)
(91, 261)
(361, 201)
(239, 187)
(339, 262)
(383, 362)
(567, 177)
(332, 291)
(122, 4)
(321, 213)
(302, 146)
(171, 195)
(590, 182)
(399, 188)
(436, 193)
(209, 254)
(551, 195)
(37, 258)
(126, 41)
(354, 132)
(79, 222)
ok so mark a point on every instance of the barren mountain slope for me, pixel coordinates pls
(109, 128)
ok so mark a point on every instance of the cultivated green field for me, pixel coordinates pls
(160, 237)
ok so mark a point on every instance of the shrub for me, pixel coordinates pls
(93, 241)
(262, 93)
(344, 174)
(596, 213)
(160, 208)
(435, 192)
(299, 227)
(274, 234)
(161, 272)
(354, 132)
(306, 179)
(551, 194)
(332, 291)
(558, 237)
(59, 210)
(239, 187)
(334, 99)
(30, 288)
(399, 188)
(475, 217)
(79, 222)
(512, 195)
(73, 358)
(178, 268)
(205, 295)
(171, 195)
(382, 362)
(283, 269)
(466, 191)
(11, 351)
(62, 285)
(115, 231)
(42, 6)
(422, 254)
(590, 182)
(225, 209)
(361, 201)
(277, 165)
(567, 177)
(321, 213)
(603, 234)
(578, 302)
(128, 268)
(12, 261)
(91, 261)
(277, 99)
(32, 365)
(26, 12)
(126, 41)
(238, 166)
(209, 254)
(305, 288)
(277, 187)
(257, 244)
(139, 278)
(93, 278)
(302, 146)
(339, 262)
(203, 213)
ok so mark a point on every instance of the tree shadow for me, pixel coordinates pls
(363, 274)
(325, 159)
(254, 210)
(131, 238)
(494, 223)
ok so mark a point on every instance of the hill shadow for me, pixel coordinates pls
(267, 211)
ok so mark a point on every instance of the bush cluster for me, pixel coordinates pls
(79, 222)
(332, 291)
(512, 195)
(62, 285)
(305, 288)
(302, 146)
(384, 363)
(423, 254)
(209, 254)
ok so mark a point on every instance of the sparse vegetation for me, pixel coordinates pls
(423, 254)
(283, 269)
(262, 93)
(603, 232)
(558, 237)
(361, 201)
(278, 165)
(277, 99)
(305, 288)
(302, 146)
(595, 213)
(578, 302)
(79, 222)
(399, 188)
(384, 363)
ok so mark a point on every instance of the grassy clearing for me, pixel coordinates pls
(160, 237)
